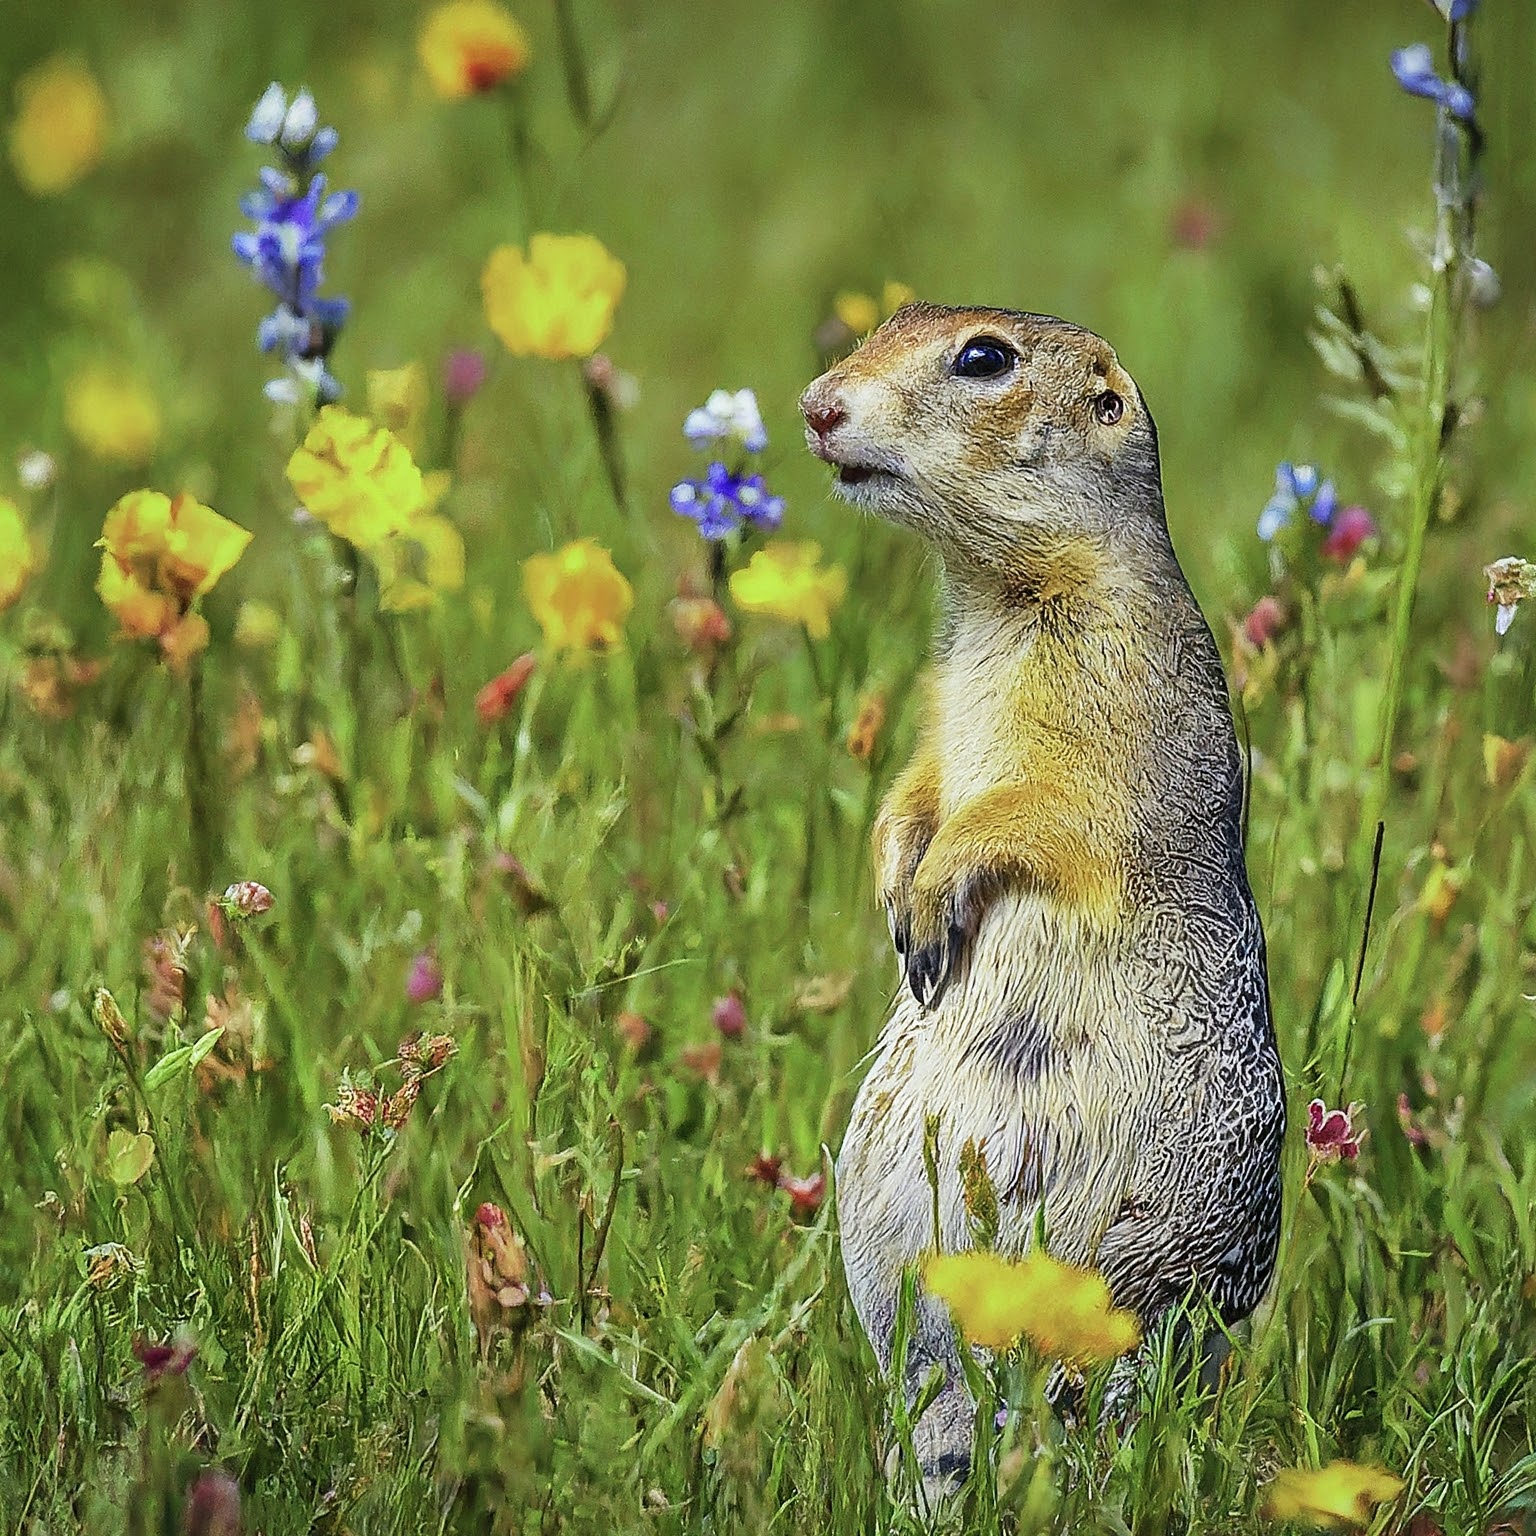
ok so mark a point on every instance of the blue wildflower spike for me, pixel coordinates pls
(1414, 67)
(723, 500)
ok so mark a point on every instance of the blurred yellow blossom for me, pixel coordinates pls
(16, 559)
(257, 626)
(397, 399)
(158, 557)
(1064, 1311)
(60, 125)
(112, 413)
(579, 596)
(469, 46)
(558, 300)
(1341, 1493)
(360, 480)
(862, 312)
(783, 580)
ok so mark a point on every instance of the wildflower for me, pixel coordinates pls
(805, 1195)
(578, 596)
(495, 700)
(557, 301)
(729, 1015)
(700, 622)
(864, 733)
(246, 898)
(765, 1167)
(1510, 582)
(1414, 67)
(463, 375)
(497, 1273)
(703, 1059)
(424, 980)
(1297, 485)
(362, 483)
(1331, 1133)
(109, 1017)
(861, 312)
(60, 125)
(169, 1359)
(1064, 1311)
(165, 960)
(397, 399)
(292, 215)
(107, 1265)
(355, 1107)
(35, 469)
(721, 502)
(422, 1055)
(1503, 760)
(159, 556)
(16, 558)
(1340, 1493)
(395, 1108)
(727, 417)
(1265, 620)
(1350, 528)
(632, 1029)
(617, 389)
(784, 581)
(468, 47)
(112, 413)
(49, 682)
(213, 1506)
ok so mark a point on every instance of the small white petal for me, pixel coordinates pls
(267, 117)
(1504, 618)
(301, 121)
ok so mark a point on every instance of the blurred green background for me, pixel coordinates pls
(1168, 175)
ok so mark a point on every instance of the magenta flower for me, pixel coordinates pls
(1350, 528)
(424, 981)
(463, 374)
(1331, 1133)
(729, 1015)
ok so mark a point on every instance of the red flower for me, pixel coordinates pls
(495, 700)
(1350, 528)
(764, 1167)
(729, 1015)
(1331, 1133)
(170, 1359)
(805, 1195)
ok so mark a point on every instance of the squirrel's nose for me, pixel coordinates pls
(822, 411)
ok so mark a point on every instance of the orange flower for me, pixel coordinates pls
(578, 596)
(1064, 1311)
(471, 46)
(60, 126)
(159, 557)
(493, 701)
(558, 300)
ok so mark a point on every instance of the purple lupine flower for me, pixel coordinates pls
(292, 214)
(721, 502)
(1414, 67)
(1297, 486)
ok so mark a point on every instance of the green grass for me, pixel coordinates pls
(688, 1360)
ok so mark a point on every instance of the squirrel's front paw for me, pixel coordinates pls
(942, 923)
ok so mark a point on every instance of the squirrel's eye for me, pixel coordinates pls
(1108, 407)
(984, 358)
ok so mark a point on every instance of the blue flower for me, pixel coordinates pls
(292, 215)
(722, 502)
(727, 416)
(1458, 10)
(1414, 67)
(1297, 486)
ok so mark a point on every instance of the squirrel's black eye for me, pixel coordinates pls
(1108, 407)
(984, 358)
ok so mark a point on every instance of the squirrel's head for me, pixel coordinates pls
(991, 432)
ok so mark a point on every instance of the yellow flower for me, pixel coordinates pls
(782, 579)
(1341, 1493)
(257, 626)
(158, 557)
(578, 596)
(1065, 1312)
(469, 46)
(362, 483)
(16, 560)
(860, 312)
(112, 413)
(60, 125)
(397, 399)
(558, 301)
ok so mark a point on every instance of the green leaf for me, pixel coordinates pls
(169, 1065)
(128, 1156)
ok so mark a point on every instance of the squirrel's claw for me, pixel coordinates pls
(930, 967)
(901, 935)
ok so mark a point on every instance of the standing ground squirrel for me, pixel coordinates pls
(1085, 996)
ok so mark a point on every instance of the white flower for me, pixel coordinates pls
(267, 120)
(36, 470)
(300, 122)
(727, 415)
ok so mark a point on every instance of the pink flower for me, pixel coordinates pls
(424, 982)
(169, 1359)
(213, 1506)
(1350, 528)
(805, 1195)
(729, 1015)
(463, 374)
(1331, 1133)
(1264, 622)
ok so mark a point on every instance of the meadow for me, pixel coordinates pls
(437, 945)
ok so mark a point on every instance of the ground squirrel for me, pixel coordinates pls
(1085, 996)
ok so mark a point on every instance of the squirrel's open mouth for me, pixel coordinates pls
(855, 474)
